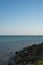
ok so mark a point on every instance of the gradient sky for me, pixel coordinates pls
(21, 17)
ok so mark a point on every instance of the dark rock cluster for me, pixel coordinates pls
(28, 55)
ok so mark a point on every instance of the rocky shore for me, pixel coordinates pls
(28, 55)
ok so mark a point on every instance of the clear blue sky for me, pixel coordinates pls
(21, 17)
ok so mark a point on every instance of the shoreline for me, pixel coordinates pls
(26, 52)
(30, 54)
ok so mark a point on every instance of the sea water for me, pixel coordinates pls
(10, 44)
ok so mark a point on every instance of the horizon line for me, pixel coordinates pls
(21, 35)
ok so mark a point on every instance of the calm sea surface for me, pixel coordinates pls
(9, 44)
